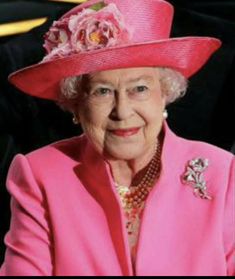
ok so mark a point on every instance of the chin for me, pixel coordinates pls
(124, 152)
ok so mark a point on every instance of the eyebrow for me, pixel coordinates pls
(101, 81)
(131, 80)
(145, 77)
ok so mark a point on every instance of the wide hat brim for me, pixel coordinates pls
(185, 54)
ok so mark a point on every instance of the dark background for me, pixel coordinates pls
(206, 113)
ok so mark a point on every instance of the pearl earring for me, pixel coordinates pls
(75, 120)
(165, 114)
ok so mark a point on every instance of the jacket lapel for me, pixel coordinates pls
(156, 231)
(95, 175)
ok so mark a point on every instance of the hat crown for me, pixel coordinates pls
(148, 20)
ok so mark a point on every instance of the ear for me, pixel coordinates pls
(163, 98)
(162, 91)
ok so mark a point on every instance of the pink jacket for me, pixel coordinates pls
(67, 218)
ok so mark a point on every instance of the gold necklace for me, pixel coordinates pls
(134, 196)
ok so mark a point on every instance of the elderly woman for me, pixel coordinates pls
(128, 197)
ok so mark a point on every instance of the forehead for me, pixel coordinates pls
(125, 75)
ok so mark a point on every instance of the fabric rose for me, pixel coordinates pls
(88, 30)
(57, 39)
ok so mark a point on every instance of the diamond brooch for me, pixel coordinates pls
(193, 176)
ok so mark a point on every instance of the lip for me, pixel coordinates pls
(125, 132)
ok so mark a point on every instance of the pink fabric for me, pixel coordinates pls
(67, 218)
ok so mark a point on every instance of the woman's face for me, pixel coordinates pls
(122, 111)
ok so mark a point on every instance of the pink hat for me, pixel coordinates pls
(112, 34)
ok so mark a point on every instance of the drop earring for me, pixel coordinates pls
(165, 114)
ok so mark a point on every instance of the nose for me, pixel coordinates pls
(122, 108)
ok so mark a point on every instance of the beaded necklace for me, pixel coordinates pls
(133, 196)
(133, 199)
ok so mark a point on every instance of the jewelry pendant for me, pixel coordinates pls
(194, 177)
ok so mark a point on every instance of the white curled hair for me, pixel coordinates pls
(173, 86)
(69, 93)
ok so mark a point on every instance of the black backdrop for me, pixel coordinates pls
(206, 113)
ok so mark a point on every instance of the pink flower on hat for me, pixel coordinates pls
(58, 35)
(88, 30)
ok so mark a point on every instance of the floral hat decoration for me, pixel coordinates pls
(112, 34)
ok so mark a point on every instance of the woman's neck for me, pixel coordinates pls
(130, 172)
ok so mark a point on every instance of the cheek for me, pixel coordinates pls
(93, 122)
(153, 117)
(154, 109)
(92, 115)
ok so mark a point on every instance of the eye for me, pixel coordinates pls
(102, 91)
(139, 91)
(140, 88)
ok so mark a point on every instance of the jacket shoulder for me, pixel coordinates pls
(67, 149)
(220, 161)
(199, 148)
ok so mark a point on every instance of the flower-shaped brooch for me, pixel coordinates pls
(193, 176)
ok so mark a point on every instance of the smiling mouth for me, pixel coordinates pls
(125, 132)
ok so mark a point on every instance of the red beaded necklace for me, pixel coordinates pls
(134, 196)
